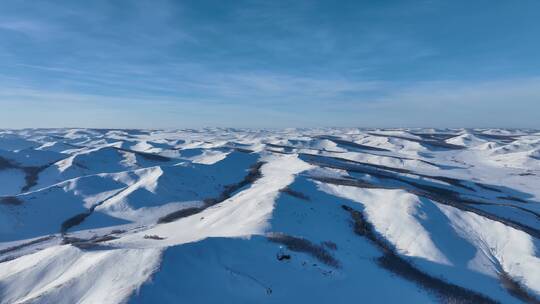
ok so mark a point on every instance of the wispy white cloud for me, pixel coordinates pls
(509, 93)
(196, 82)
(22, 26)
(497, 103)
(503, 103)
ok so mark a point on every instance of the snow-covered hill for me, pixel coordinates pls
(267, 216)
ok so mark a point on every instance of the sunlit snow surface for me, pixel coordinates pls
(270, 216)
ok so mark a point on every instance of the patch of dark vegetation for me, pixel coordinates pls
(31, 173)
(78, 164)
(286, 149)
(253, 174)
(351, 144)
(425, 142)
(145, 155)
(487, 187)
(390, 260)
(153, 237)
(347, 164)
(5, 164)
(10, 200)
(446, 292)
(20, 246)
(497, 137)
(329, 245)
(79, 218)
(173, 216)
(71, 144)
(104, 238)
(291, 192)
(31, 176)
(512, 198)
(74, 221)
(72, 240)
(536, 214)
(302, 245)
(515, 289)
(280, 146)
(364, 228)
(348, 182)
(90, 246)
(293, 149)
(279, 152)
(435, 136)
(9, 258)
(451, 181)
(88, 243)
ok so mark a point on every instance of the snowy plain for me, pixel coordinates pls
(270, 216)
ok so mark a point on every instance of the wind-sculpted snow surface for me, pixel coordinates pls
(261, 216)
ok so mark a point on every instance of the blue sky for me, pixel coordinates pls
(175, 64)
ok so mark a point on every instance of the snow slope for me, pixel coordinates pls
(269, 216)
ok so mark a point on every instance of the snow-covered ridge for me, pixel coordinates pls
(269, 216)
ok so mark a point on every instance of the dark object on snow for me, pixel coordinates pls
(10, 200)
(302, 245)
(153, 237)
(282, 256)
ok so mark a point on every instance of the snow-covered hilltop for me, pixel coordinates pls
(261, 216)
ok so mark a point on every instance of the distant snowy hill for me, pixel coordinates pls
(266, 216)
